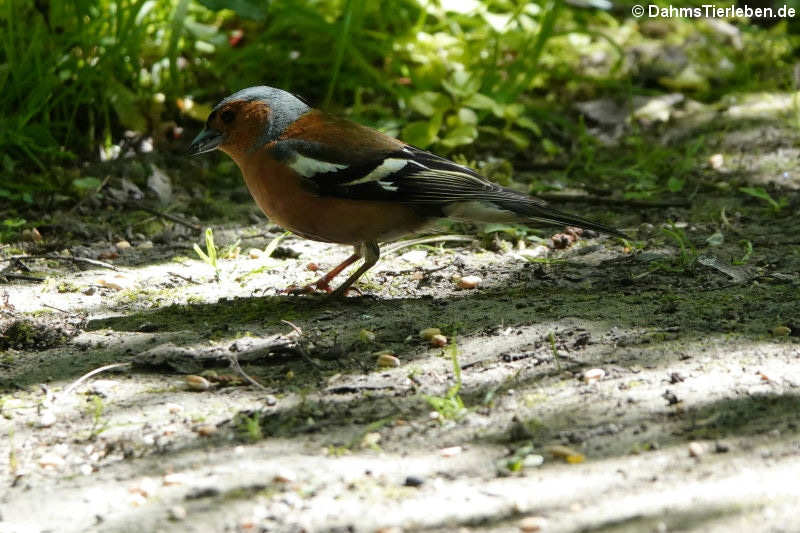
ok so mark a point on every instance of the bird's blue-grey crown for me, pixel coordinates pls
(284, 107)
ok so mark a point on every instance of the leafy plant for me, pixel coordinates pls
(450, 406)
(761, 194)
(688, 253)
(210, 255)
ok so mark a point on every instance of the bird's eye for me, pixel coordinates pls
(227, 116)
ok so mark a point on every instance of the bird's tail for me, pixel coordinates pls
(537, 211)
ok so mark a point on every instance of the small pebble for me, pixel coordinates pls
(428, 333)
(254, 253)
(177, 513)
(721, 447)
(312, 267)
(413, 481)
(47, 418)
(716, 161)
(532, 461)
(469, 282)
(198, 383)
(451, 451)
(123, 245)
(593, 374)
(438, 340)
(386, 360)
(696, 449)
(174, 408)
(205, 430)
(529, 524)
(145, 245)
(51, 460)
(285, 476)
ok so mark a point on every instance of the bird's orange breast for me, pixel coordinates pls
(278, 192)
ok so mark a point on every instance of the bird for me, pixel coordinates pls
(329, 179)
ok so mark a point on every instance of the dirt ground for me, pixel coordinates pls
(602, 387)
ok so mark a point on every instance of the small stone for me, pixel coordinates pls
(51, 460)
(469, 282)
(415, 257)
(716, 161)
(721, 447)
(413, 481)
(47, 418)
(197, 383)
(123, 245)
(428, 333)
(593, 374)
(452, 451)
(530, 524)
(284, 476)
(177, 513)
(438, 340)
(205, 430)
(387, 360)
(532, 461)
(696, 449)
(312, 267)
(145, 245)
(174, 408)
(89, 291)
(254, 253)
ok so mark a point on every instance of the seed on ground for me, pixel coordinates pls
(593, 374)
(529, 524)
(197, 383)
(696, 449)
(387, 360)
(469, 282)
(438, 340)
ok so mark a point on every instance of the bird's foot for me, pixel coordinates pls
(319, 286)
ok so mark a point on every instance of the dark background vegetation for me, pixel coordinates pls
(492, 82)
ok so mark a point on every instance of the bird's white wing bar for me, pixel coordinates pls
(309, 166)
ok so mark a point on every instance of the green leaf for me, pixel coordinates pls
(467, 116)
(519, 139)
(418, 134)
(86, 184)
(460, 136)
(759, 192)
(528, 124)
(483, 102)
(675, 184)
(126, 106)
(428, 103)
(462, 84)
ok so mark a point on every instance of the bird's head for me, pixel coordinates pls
(247, 120)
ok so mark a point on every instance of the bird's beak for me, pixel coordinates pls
(208, 139)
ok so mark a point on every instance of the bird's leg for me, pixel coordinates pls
(323, 283)
(371, 253)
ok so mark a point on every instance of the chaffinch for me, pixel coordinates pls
(332, 180)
